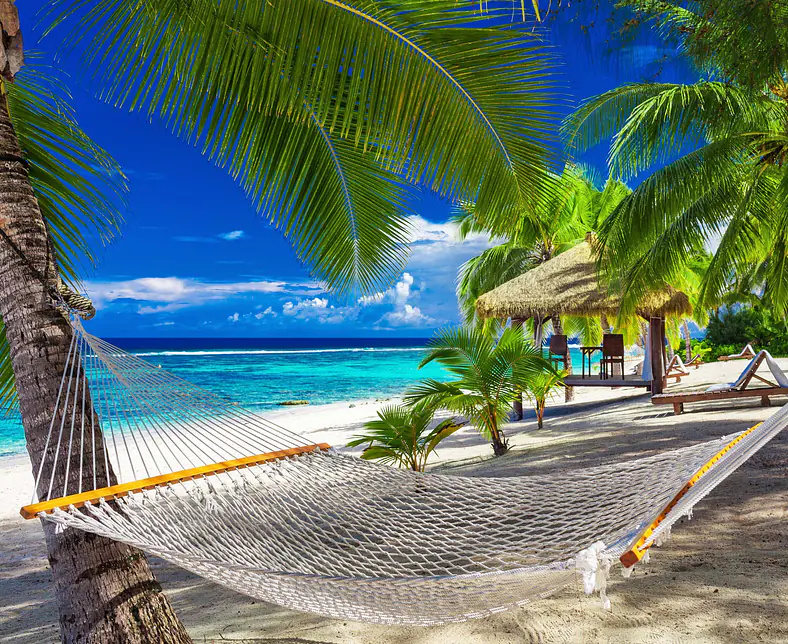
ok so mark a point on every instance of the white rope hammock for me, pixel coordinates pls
(138, 455)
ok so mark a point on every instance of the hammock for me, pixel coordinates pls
(136, 454)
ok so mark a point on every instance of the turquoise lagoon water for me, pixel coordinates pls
(260, 373)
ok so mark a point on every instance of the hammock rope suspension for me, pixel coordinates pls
(137, 454)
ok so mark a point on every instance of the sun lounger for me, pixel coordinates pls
(740, 388)
(676, 368)
(745, 354)
(695, 362)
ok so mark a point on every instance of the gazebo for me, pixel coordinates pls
(569, 284)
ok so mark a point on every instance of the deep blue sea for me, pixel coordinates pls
(260, 373)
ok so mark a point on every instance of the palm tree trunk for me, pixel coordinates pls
(558, 327)
(517, 405)
(687, 339)
(105, 589)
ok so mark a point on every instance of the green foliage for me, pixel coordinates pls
(401, 435)
(737, 326)
(563, 217)
(745, 41)
(539, 388)
(79, 187)
(430, 91)
(731, 328)
(489, 375)
(719, 149)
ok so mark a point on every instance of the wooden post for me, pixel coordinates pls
(656, 348)
(517, 406)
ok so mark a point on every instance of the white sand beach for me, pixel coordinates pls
(721, 578)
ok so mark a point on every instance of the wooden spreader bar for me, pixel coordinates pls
(115, 491)
(637, 552)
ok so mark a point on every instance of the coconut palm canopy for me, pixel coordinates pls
(569, 284)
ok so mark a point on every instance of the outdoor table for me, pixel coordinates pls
(587, 352)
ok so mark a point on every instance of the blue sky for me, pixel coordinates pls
(195, 260)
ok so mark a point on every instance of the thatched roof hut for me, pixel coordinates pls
(569, 284)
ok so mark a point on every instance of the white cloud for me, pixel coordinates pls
(233, 317)
(233, 235)
(303, 308)
(397, 294)
(410, 316)
(163, 294)
(268, 311)
(318, 308)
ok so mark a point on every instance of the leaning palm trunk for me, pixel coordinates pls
(105, 589)
(687, 339)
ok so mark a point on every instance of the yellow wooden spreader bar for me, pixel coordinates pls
(636, 553)
(114, 491)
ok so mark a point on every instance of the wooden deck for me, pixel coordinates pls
(595, 381)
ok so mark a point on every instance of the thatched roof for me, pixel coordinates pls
(568, 284)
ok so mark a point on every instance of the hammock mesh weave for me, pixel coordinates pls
(333, 534)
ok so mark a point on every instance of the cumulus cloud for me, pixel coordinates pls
(268, 311)
(233, 235)
(161, 294)
(319, 309)
(397, 294)
(408, 315)
(233, 317)
(302, 306)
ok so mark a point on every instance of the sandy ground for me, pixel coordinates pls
(722, 577)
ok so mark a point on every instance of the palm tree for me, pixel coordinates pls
(489, 375)
(725, 138)
(322, 110)
(401, 435)
(60, 193)
(562, 220)
(539, 388)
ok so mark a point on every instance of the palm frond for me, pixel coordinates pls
(8, 399)
(432, 88)
(80, 188)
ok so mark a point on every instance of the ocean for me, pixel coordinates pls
(261, 373)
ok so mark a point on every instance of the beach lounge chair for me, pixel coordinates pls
(612, 355)
(695, 362)
(746, 353)
(738, 389)
(559, 350)
(676, 368)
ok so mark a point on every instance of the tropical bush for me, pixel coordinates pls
(739, 325)
(401, 435)
(539, 388)
(489, 376)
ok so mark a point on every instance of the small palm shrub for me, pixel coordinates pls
(539, 388)
(401, 435)
(489, 376)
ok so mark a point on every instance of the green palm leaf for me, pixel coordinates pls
(79, 186)
(430, 88)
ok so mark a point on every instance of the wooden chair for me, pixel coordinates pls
(676, 368)
(738, 389)
(559, 350)
(612, 354)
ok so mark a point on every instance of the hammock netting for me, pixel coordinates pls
(329, 533)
